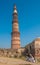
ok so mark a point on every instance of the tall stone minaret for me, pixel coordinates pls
(15, 42)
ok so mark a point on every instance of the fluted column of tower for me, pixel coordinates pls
(15, 43)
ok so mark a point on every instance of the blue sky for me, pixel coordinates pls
(28, 18)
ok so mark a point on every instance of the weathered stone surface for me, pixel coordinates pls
(34, 47)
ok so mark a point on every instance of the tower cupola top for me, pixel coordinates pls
(14, 6)
(15, 10)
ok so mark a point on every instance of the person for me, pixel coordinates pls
(30, 58)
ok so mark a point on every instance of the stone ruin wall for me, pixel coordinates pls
(37, 48)
(34, 48)
(11, 52)
(7, 52)
(31, 49)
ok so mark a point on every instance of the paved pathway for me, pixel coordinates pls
(13, 61)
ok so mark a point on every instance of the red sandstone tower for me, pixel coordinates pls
(15, 43)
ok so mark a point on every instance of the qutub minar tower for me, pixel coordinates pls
(15, 42)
